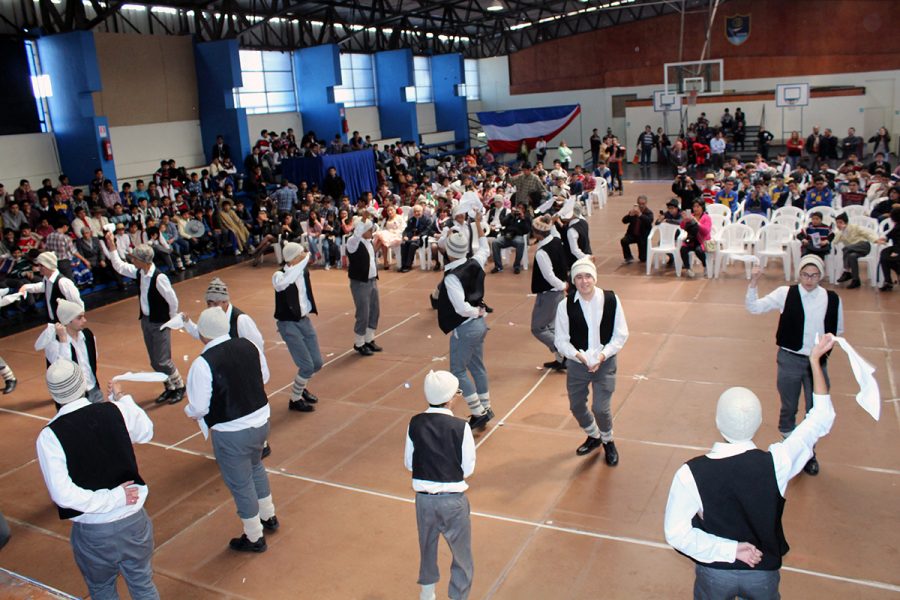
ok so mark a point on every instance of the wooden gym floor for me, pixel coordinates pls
(546, 523)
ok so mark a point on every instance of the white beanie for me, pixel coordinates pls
(66, 310)
(217, 291)
(65, 381)
(457, 245)
(812, 259)
(213, 323)
(47, 260)
(362, 226)
(291, 251)
(584, 265)
(440, 387)
(143, 253)
(738, 414)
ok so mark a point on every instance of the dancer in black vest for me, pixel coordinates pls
(576, 231)
(807, 310)
(89, 466)
(548, 284)
(54, 285)
(724, 510)
(226, 391)
(363, 274)
(461, 311)
(294, 303)
(71, 339)
(157, 304)
(440, 452)
(590, 332)
(9, 378)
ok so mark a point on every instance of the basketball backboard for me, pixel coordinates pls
(705, 77)
(663, 102)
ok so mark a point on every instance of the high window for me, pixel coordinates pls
(473, 89)
(422, 79)
(268, 82)
(40, 85)
(358, 77)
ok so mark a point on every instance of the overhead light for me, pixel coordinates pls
(496, 6)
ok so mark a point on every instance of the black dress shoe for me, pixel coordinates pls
(854, 284)
(517, 270)
(266, 451)
(845, 277)
(374, 347)
(242, 544)
(612, 455)
(10, 386)
(405, 269)
(300, 405)
(487, 308)
(811, 467)
(309, 397)
(164, 397)
(364, 350)
(555, 365)
(270, 524)
(480, 421)
(176, 396)
(496, 269)
(589, 445)
(885, 288)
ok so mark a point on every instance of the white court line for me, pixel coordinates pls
(43, 586)
(513, 409)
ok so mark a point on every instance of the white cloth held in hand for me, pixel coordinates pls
(176, 322)
(868, 397)
(144, 377)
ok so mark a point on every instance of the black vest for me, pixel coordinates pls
(578, 330)
(358, 264)
(790, 325)
(159, 307)
(237, 385)
(741, 502)
(99, 454)
(471, 276)
(55, 295)
(556, 252)
(584, 240)
(437, 447)
(233, 324)
(90, 345)
(287, 301)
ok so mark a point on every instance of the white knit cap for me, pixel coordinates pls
(291, 251)
(143, 253)
(584, 265)
(457, 245)
(65, 381)
(440, 387)
(66, 310)
(812, 259)
(217, 291)
(362, 227)
(47, 260)
(738, 414)
(213, 323)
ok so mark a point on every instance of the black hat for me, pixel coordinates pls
(673, 202)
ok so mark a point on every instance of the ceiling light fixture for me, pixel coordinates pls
(496, 6)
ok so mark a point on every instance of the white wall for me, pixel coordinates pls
(364, 119)
(277, 122)
(137, 149)
(426, 118)
(29, 156)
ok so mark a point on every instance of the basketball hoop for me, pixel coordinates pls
(692, 97)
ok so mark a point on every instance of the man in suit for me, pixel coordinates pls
(417, 231)
(220, 149)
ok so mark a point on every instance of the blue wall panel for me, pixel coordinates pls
(71, 61)
(218, 73)
(394, 72)
(316, 71)
(450, 110)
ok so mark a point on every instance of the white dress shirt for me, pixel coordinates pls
(246, 328)
(282, 280)
(163, 285)
(814, 305)
(353, 243)
(546, 266)
(199, 390)
(67, 288)
(593, 314)
(100, 506)
(455, 291)
(54, 350)
(467, 464)
(788, 458)
(717, 146)
(572, 239)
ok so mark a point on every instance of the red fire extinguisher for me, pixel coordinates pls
(107, 149)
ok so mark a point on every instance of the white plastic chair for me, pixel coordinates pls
(855, 210)
(719, 209)
(508, 255)
(670, 237)
(734, 242)
(754, 221)
(718, 224)
(599, 195)
(792, 211)
(739, 211)
(871, 259)
(773, 241)
(828, 214)
(883, 229)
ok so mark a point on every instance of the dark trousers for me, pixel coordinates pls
(640, 240)
(794, 372)
(615, 169)
(889, 261)
(408, 250)
(686, 255)
(646, 151)
(717, 584)
(64, 266)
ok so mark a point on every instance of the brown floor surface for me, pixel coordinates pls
(546, 524)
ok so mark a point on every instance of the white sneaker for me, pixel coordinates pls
(690, 273)
(327, 267)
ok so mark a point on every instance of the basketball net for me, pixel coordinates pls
(692, 98)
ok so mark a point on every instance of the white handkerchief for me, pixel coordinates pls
(146, 377)
(868, 396)
(176, 322)
(593, 358)
(203, 428)
(8, 299)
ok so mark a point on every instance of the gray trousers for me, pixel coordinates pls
(159, 350)
(543, 317)
(365, 299)
(501, 242)
(239, 456)
(794, 372)
(447, 515)
(852, 254)
(596, 421)
(103, 550)
(467, 356)
(721, 584)
(303, 344)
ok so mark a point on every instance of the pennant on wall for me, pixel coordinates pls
(737, 29)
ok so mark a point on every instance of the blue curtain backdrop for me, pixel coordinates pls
(357, 169)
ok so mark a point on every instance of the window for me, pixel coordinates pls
(422, 79)
(473, 91)
(358, 77)
(40, 84)
(268, 82)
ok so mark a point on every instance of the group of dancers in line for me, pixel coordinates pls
(724, 510)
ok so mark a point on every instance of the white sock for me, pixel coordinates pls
(298, 386)
(370, 335)
(253, 528)
(266, 508)
(427, 592)
(359, 340)
(485, 400)
(7, 373)
(474, 405)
